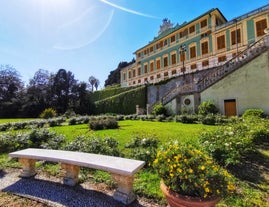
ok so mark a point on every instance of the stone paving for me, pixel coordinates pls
(49, 190)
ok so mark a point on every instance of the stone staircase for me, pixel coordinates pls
(215, 74)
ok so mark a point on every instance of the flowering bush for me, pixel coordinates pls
(188, 171)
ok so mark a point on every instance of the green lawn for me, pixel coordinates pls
(252, 176)
(164, 131)
(2, 121)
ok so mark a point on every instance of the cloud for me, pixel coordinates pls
(126, 9)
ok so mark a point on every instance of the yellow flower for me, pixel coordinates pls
(203, 167)
(230, 187)
(207, 190)
(191, 170)
(171, 175)
(155, 161)
(179, 170)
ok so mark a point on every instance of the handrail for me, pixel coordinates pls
(219, 72)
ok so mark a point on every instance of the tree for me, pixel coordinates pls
(63, 83)
(114, 76)
(94, 82)
(38, 94)
(11, 88)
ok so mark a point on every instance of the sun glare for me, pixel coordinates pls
(54, 4)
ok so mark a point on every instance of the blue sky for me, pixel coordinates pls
(90, 37)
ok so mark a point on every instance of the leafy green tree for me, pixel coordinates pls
(63, 83)
(11, 88)
(114, 76)
(38, 94)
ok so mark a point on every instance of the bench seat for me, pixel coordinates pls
(122, 170)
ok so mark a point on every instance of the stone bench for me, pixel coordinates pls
(122, 170)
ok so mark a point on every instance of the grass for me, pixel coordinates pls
(162, 131)
(252, 176)
(2, 121)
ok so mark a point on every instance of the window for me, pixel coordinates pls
(151, 49)
(133, 82)
(192, 52)
(222, 58)
(260, 26)
(174, 72)
(192, 29)
(158, 64)
(145, 68)
(164, 42)
(139, 81)
(130, 74)
(158, 75)
(133, 73)
(183, 33)
(193, 66)
(173, 38)
(236, 36)
(205, 63)
(139, 55)
(165, 74)
(203, 23)
(145, 79)
(165, 61)
(204, 47)
(174, 59)
(151, 66)
(221, 42)
(124, 76)
(151, 77)
(139, 71)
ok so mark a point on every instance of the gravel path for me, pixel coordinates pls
(49, 190)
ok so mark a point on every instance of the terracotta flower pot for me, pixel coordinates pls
(176, 200)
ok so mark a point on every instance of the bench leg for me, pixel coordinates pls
(71, 174)
(124, 192)
(28, 167)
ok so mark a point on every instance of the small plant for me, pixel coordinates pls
(188, 171)
(48, 113)
(106, 146)
(253, 113)
(159, 109)
(207, 107)
(99, 123)
(143, 149)
(229, 144)
(187, 118)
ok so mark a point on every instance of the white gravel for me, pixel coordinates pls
(49, 190)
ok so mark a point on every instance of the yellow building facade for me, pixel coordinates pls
(205, 42)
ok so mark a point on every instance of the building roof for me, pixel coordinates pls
(177, 27)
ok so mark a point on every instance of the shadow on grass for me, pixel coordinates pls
(55, 193)
(254, 169)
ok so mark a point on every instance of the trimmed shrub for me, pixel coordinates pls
(143, 149)
(207, 107)
(5, 127)
(99, 123)
(253, 113)
(187, 118)
(228, 145)
(36, 138)
(159, 109)
(106, 146)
